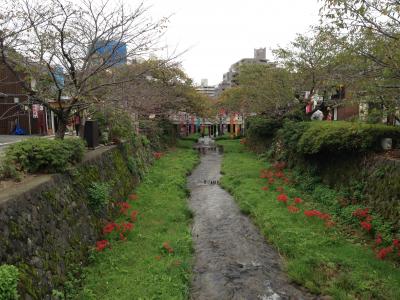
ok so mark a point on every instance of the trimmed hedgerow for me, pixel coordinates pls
(8, 282)
(45, 155)
(344, 137)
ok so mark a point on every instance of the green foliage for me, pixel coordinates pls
(99, 195)
(8, 282)
(45, 155)
(334, 137)
(138, 268)
(260, 127)
(325, 261)
(159, 132)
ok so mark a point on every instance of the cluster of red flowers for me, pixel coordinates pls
(101, 245)
(120, 230)
(167, 247)
(364, 217)
(365, 222)
(123, 207)
(158, 155)
(282, 198)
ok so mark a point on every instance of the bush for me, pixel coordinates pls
(322, 137)
(259, 127)
(99, 195)
(45, 155)
(8, 282)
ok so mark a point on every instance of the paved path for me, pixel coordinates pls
(232, 259)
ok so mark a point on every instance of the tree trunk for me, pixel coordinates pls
(61, 128)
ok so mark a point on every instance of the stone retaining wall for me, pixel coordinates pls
(47, 227)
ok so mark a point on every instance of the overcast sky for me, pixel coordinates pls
(220, 32)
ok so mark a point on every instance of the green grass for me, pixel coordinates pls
(132, 269)
(319, 258)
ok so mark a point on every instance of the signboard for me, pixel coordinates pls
(35, 111)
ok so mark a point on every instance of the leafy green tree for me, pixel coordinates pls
(261, 89)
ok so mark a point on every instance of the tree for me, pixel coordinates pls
(69, 48)
(261, 89)
(371, 30)
(312, 59)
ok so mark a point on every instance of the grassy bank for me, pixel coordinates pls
(154, 262)
(322, 258)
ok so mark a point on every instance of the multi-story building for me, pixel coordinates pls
(205, 89)
(228, 80)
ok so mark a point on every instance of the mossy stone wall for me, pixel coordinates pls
(48, 230)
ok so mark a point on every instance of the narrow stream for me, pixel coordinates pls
(233, 261)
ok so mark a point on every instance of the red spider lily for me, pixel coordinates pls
(133, 197)
(122, 237)
(365, 225)
(265, 188)
(101, 245)
(298, 200)
(127, 226)
(384, 252)
(134, 214)
(329, 223)
(108, 228)
(158, 257)
(279, 174)
(271, 181)
(282, 198)
(167, 247)
(396, 243)
(158, 155)
(369, 219)
(361, 213)
(286, 180)
(318, 214)
(280, 189)
(293, 209)
(124, 206)
(378, 239)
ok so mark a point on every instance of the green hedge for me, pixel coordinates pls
(8, 282)
(45, 155)
(308, 138)
(345, 137)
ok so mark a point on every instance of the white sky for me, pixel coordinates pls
(220, 32)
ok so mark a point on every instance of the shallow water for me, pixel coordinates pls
(233, 261)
